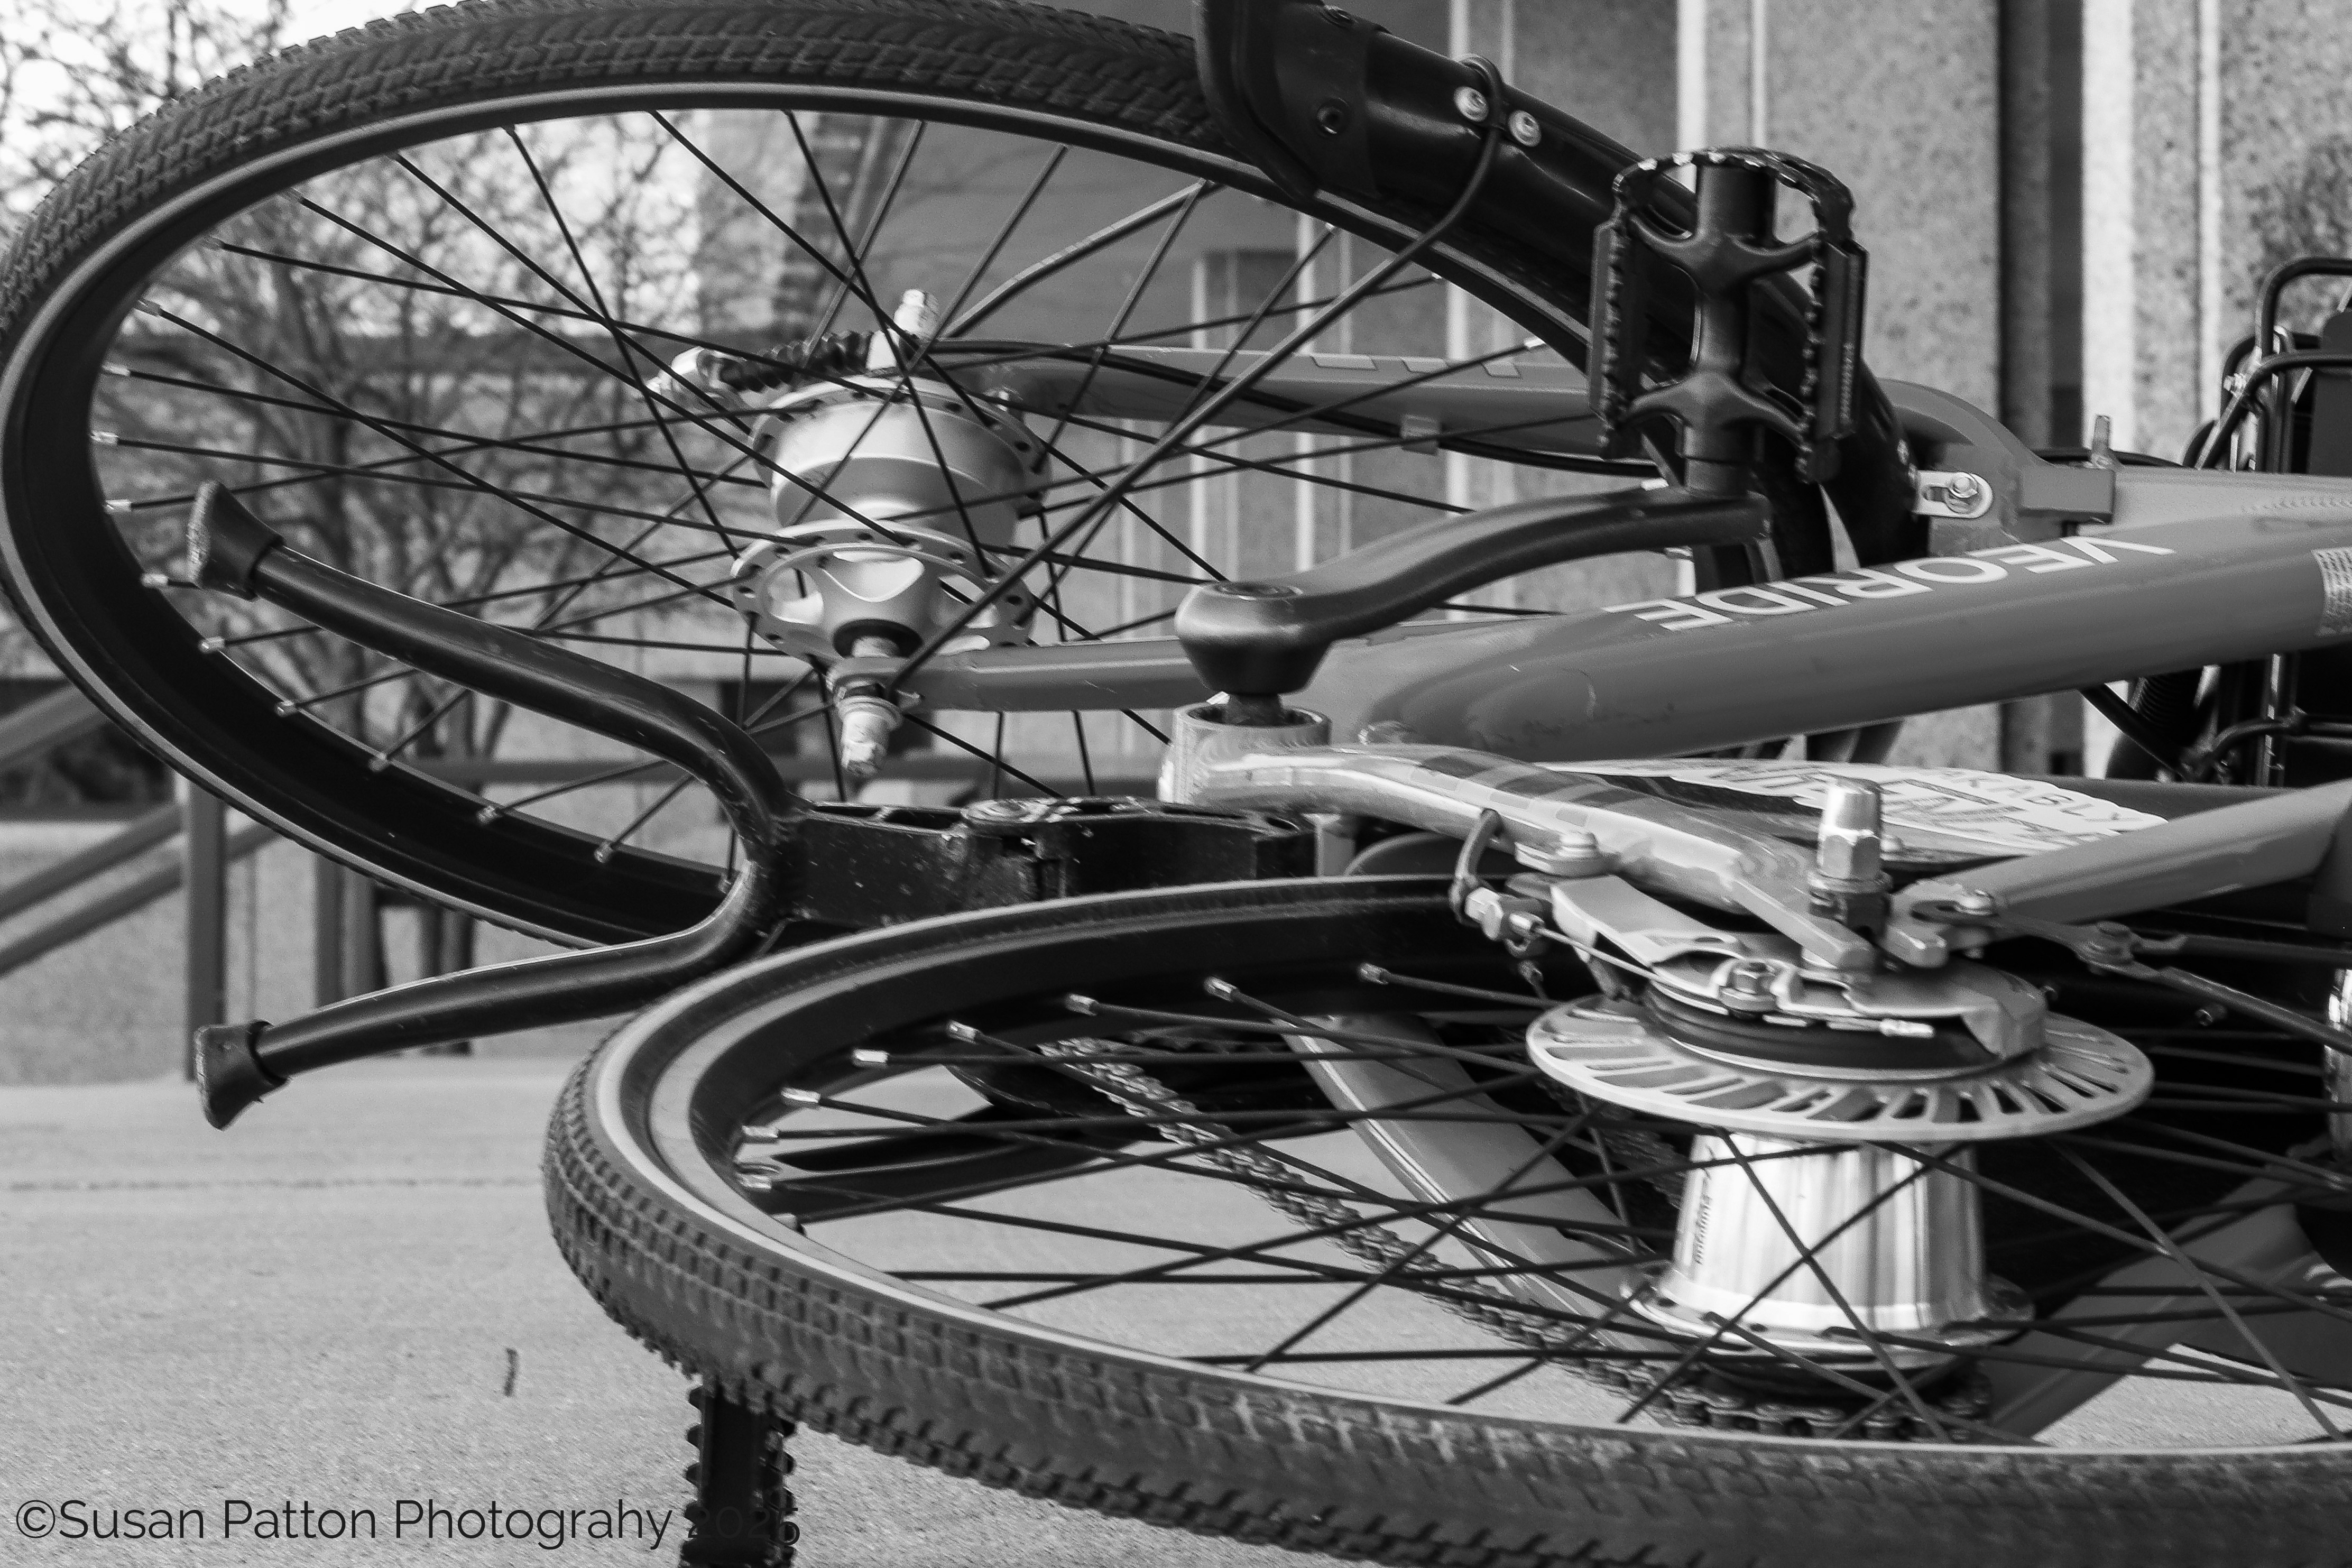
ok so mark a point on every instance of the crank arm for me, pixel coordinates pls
(1530, 411)
(1269, 636)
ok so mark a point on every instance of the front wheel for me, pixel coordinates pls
(1065, 1198)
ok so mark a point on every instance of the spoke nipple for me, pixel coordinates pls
(1372, 973)
(489, 815)
(213, 645)
(114, 367)
(116, 506)
(154, 580)
(869, 1059)
(801, 1097)
(963, 1033)
(286, 709)
(1223, 990)
(104, 439)
(604, 853)
(378, 763)
(1077, 1004)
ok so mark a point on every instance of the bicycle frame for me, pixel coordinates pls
(2189, 568)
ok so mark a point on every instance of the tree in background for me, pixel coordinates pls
(73, 72)
(411, 367)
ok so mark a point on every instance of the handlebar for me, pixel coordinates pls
(231, 551)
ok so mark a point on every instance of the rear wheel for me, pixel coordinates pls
(1052, 1197)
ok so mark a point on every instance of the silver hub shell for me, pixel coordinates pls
(889, 515)
(1812, 1228)
(1784, 1232)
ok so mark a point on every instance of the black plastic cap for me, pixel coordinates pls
(226, 542)
(229, 1077)
(1259, 639)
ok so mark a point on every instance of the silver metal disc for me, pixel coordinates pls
(1613, 1051)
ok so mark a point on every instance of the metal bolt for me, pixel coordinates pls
(1524, 129)
(2102, 436)
(1962, 487)
(1747, 988)
(868, 722)
(1848, 847)
(1975, 903)
(1573, 852)
(1332, 118)
(1470, 104)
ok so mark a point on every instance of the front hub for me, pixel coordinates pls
(896, 497)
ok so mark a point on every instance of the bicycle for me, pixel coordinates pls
(1821, 1108)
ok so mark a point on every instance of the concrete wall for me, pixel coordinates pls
(2215, 147)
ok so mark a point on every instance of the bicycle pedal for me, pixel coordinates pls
(1730, 249)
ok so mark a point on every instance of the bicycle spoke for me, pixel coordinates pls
(2157, 1233)
(863, 250)
(1102, 239)
(621, 343)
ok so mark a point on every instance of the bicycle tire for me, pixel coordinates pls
(784, 1323)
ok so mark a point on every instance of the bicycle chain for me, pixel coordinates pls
(1694, 1397)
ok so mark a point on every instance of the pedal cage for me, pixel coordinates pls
(1723, 396)
(741, 1515)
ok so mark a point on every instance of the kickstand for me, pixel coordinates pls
(741, 1515)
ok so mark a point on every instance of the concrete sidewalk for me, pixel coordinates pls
(350, 1300)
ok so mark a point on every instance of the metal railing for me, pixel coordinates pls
(347, 904)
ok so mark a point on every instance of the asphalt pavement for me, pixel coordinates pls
(349, 1301)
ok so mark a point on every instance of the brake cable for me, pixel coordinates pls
(2107, 947)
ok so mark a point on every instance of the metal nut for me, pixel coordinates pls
(1963, 486)
(1573, 852)
(1975, 903)
(1524, 129)
(1470, 104)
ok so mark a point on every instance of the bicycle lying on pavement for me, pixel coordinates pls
(1748, 1152)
